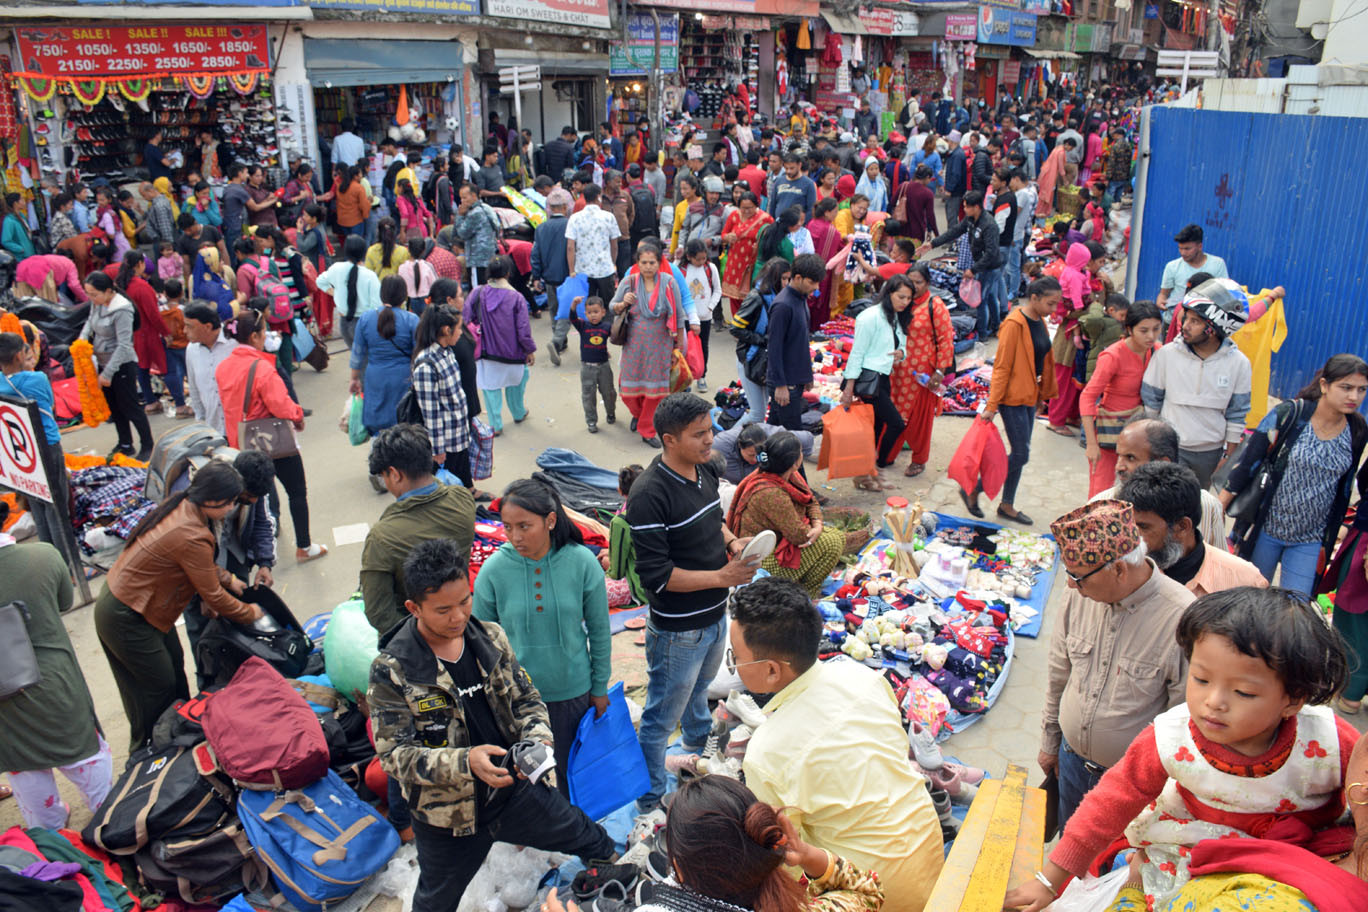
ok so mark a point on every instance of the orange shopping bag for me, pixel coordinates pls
(847, 442)
(680, 375)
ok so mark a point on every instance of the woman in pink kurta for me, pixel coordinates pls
(1112, 395)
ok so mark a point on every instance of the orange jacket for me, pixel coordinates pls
(270, 399)
(353, 206)
(1014, 377)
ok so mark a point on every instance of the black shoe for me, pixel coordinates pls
(971, 506)
(553, 353)
(123, 449)
(634, 424)
(612, 419)
(144, 454)
(1017, 517)
(652, 442)
(589, 883)
(591, 428)
(308, 412)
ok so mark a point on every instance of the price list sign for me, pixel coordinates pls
(92, 53)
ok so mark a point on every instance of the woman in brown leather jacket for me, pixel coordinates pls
(168, 558)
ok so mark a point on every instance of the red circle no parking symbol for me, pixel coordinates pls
(17, 439)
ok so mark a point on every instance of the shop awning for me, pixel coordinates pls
(1045, 54)
(553, 63)
(842, 24)
(352, 62)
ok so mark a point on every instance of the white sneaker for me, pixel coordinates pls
(720, 766)
(925, 750)
(742, 705)
(702, 386)
(643, 827)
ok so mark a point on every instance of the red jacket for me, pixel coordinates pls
(147, 338)
(270, 399)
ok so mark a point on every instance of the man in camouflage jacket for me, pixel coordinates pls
(423, 739)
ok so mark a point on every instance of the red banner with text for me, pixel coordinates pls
(133, 51)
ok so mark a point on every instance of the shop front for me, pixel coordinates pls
(1000, 31)
(95, 97)
(637, 70)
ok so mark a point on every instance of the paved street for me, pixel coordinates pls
(341, 497)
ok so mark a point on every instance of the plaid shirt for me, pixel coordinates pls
(161, 219)
(437, 384)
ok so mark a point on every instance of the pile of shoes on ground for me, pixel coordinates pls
(950, 783)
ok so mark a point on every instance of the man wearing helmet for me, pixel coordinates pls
(1200, 382)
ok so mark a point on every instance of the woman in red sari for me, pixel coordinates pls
(930, 351)
(826, 241)
(741, 231)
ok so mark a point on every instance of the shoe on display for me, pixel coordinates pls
(736, 744)
(743, 706)
(683, 766)
(590, 882)
(969, 775)
(658, 866)
(645, 825)
(924, 748)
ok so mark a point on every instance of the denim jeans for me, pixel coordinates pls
(680, 664)
(756, 399)
(1116, 188)
(1018, 421)
(175, 374)
(1298, 561)
(1011, 277)
(1075, 781)
(989, 314)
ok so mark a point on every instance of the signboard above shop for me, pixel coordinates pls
(584, 13)
(638, 57)
(145, 50)
(961, 26)
(997, 25)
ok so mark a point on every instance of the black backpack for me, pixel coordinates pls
(408, 411)
(225, 645)
(159, 793)
(208, 868)
(647, 219)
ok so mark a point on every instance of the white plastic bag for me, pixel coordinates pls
(1091, 894)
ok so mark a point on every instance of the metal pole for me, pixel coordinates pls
(655, 114)
(517, 96)
(1138, 204)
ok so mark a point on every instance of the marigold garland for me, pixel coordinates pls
(88, 91)
(94, 409)
(136, 90)
(201, 85)
(244, 83)
(40, 90)
(9, 323)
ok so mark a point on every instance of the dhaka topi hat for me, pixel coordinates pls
(1096, 534)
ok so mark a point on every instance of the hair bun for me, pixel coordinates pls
(762, 827)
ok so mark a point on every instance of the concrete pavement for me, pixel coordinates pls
(342, 504)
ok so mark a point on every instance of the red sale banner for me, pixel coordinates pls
(101, 52)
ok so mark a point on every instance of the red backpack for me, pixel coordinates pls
(279, 305)
(262, 732)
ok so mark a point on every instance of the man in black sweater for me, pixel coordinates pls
(685, 558)
(559, 154)
(987, 254)
(790, 362)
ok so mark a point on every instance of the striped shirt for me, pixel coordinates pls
(677, 522)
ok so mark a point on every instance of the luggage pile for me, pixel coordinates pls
(255, 786)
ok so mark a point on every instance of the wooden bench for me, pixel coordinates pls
(1000, 845)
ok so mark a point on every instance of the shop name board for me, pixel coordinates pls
(448, 7)
(707, 6)
(1005, 26)
(961, 26)
(87, 53)
(906, 22)
(638, 57)
(584, 13)
(1037, 7)
(878, 20)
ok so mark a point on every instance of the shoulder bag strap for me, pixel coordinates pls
(247, 392)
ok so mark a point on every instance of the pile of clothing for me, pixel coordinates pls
(106, 503)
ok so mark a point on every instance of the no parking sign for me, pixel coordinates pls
(21, 450)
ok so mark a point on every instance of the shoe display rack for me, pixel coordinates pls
(106, 139)
(712, 60)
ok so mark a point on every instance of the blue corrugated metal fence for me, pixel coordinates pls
(1284, 201)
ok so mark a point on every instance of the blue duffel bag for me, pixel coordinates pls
(320, 842)
(607, 769)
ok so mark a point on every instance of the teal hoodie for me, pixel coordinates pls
(548, 608)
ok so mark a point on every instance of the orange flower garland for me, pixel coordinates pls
(9, 323)
(94, 409)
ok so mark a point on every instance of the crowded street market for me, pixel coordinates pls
(1006, 554)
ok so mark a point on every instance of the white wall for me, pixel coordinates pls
(1346, 40)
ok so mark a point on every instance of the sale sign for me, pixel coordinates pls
(85, 52)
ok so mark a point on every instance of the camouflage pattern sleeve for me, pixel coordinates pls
(396, 738)
(847, 889)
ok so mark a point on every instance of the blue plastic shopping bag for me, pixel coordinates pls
(576, 286)
(607, 769)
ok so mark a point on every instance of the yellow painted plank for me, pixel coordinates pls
(959, 865)
(1030, 846)
(988, 882)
